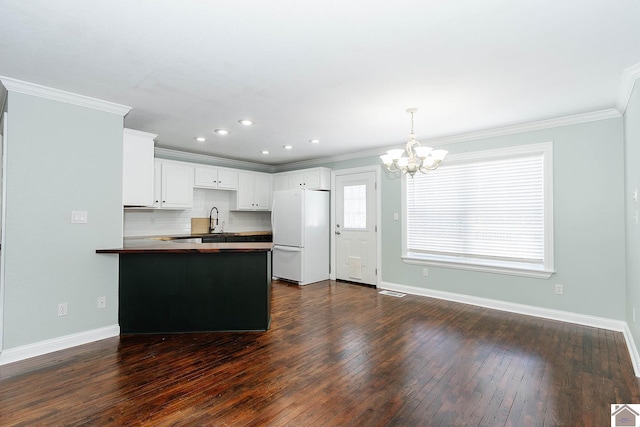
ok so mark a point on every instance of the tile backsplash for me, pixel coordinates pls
(154, 222)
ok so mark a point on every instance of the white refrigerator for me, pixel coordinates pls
(300, 223)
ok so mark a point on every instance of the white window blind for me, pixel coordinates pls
(488, 209)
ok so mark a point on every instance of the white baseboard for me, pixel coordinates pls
(633, 350)
(61, 343)
(546, 313)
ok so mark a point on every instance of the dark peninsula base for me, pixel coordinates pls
(195, 292)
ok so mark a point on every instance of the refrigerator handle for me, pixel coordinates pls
(273, 224)
(287, 248)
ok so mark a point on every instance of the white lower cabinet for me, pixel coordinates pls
(173, 185)
(254, 192)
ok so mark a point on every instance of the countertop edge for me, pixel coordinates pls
(187, 236)
(185, 248)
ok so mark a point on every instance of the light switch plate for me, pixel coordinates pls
(79, 217)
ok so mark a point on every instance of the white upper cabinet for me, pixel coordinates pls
(254, 192)
(216, 178)
(173, 185)
(137, 168)
(280, 182)
(313, 179)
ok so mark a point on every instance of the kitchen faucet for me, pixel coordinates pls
(211, 229)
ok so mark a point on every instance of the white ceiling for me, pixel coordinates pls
(337, 70)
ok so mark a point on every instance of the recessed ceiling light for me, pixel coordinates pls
(245, 122)
(265, 151)
(221, 131)
(314, 141)
(287, 147)
(200, 139)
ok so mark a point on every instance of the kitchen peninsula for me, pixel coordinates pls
(168, 286)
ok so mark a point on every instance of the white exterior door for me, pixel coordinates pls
(356, 227)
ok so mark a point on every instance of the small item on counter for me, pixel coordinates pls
(199, 225)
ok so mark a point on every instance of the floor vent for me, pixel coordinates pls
(392, 294)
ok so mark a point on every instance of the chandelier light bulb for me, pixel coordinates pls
(386, 159)
(439, 154)
(395, 154)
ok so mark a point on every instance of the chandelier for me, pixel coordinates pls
(417, 157)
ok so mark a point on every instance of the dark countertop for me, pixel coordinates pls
(189, 236)
(144, 246)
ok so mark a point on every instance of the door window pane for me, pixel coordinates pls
(355, 206)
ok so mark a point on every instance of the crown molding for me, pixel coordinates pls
(629, 77)
(472, 136)
(304, 164)
(185, 156)
(140, 133)
(575, 119)
(13, 85)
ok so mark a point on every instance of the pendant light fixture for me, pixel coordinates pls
(414, 157)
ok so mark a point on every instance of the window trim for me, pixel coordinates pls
(494, 266)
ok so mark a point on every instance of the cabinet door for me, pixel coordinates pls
(262, 192)
(311, 179)
(280, 182)
(205, 177)
(317, 179)
(245, 191)
(227, 179)
(295, 180)
(177, 186)
(137, 168)
(157, 184)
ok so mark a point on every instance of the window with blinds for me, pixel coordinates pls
(490, 208)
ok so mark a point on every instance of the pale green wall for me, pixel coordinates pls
(632, 181)
(588, 219)
(61, 157)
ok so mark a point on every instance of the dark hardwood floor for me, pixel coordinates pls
(337, 354)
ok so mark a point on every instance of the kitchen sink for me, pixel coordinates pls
(189, 240)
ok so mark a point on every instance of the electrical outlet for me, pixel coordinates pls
(425, 272)
(559, 289)
(79, 217)
(102, 302)
(62, 309)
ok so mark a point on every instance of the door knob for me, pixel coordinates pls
(337, 232)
